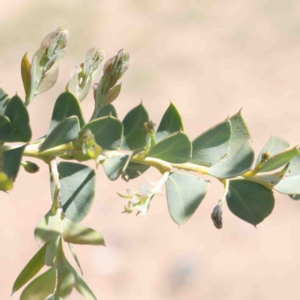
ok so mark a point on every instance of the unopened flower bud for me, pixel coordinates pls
(30, 167)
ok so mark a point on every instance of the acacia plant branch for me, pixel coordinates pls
(125, 148)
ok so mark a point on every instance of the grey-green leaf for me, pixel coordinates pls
(65, 132)
(294, 167)
(5, 128)
(11, 161)
(134, 170)
(234, 165)
(134, 136)
(250, 201)
(184, 194)
(170, 123)
(288, 185)
(77, 189)
(239, 133)
(49, 228)
(19, 119)
(212, 145)
(279, 160)
(106, 111)
(107, 132)
(75, 257)
(76, 233)
(66, 106)
(31, 269)
(41, 287)
(176, 148)
(65, 283)
(51, 251)
(114, 165)
(273, 146)
(80, 285)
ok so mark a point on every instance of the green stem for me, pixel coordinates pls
(55, 179)
(164, 166)
(27, 99)
(161, 165)
(32, 150)
(225, 182)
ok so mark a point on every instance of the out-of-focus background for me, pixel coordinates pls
(210, 58)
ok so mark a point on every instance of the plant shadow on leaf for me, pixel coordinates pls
(134, 170)
(46, 234)
(68, 202)
(77, 189)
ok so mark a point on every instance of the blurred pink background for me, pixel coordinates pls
(210, 58)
